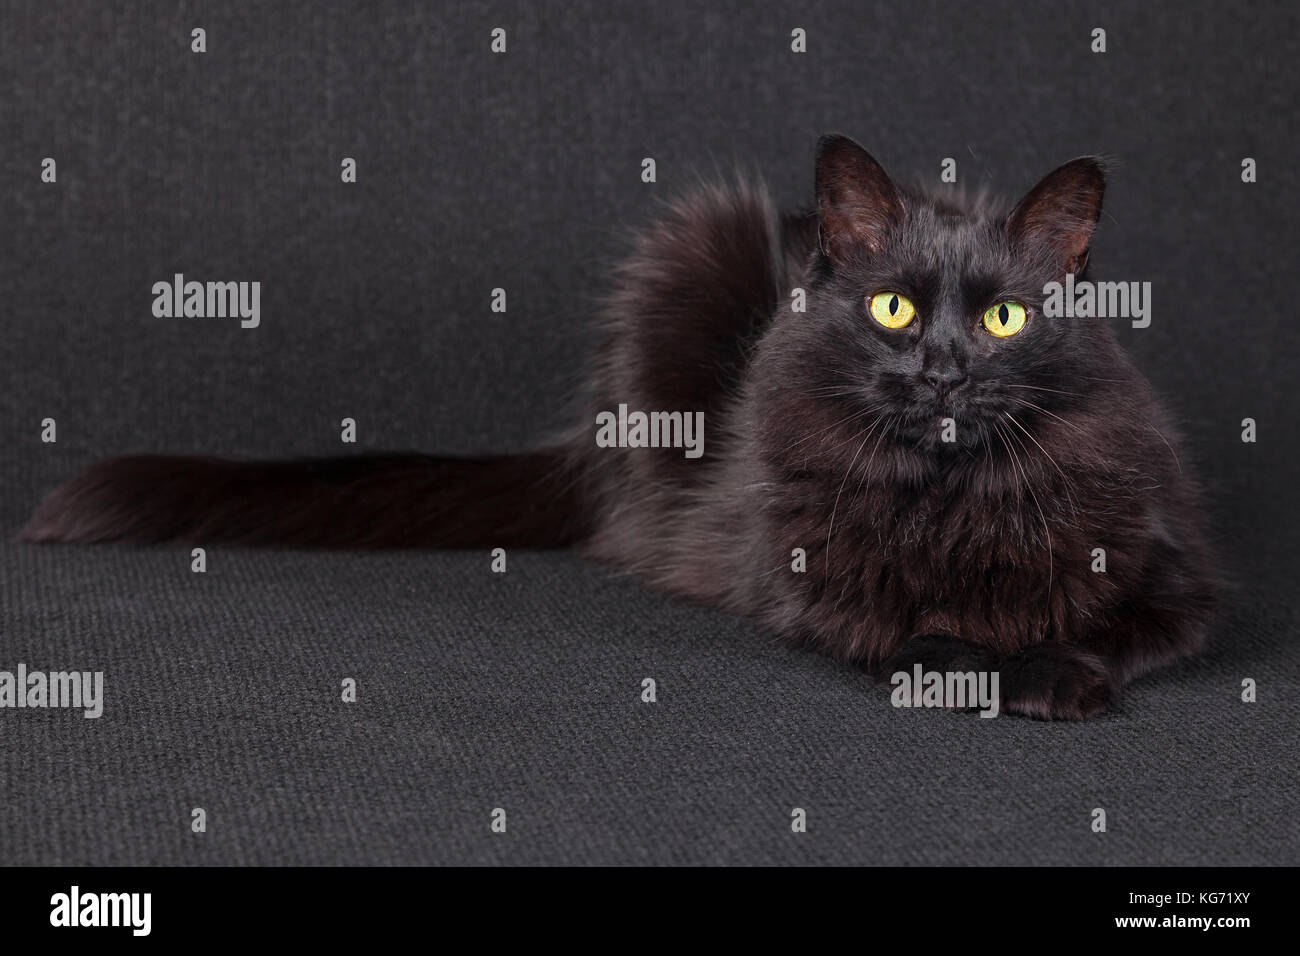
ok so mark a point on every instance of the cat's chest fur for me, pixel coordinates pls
(887, 562)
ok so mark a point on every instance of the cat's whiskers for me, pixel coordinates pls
(866, 469)
(1025, 401)
(836, 389)
(1068, 482)
(1047, 531)
(984, 436)
(1148, 424)
(1167, 445)
(846, 441)
(848, 471)
(843, 421)
(890, 423)
(1041, 388)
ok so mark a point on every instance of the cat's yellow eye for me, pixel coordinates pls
(1005, 318)
(892, 310)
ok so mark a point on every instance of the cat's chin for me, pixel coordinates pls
(942, 432)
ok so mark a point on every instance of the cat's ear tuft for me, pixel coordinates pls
(857, 202)
(1061, 212)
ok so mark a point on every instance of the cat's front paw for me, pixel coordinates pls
(1055, 682)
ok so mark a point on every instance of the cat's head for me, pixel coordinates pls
(927, 309)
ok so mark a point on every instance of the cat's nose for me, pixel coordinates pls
(944, 381)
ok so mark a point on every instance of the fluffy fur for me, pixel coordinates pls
(823, 434)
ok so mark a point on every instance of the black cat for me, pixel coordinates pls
(917, 468)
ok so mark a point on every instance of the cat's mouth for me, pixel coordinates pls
(947, 426)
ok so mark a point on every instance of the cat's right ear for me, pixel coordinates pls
(857, 202)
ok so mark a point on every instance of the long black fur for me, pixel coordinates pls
(823, 435)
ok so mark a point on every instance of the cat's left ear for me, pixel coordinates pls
(1061, 212)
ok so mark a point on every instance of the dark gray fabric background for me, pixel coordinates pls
(522, 171)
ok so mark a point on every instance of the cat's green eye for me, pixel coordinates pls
(892, 310)
(1005, 318)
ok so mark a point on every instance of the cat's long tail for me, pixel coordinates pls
(386, 501)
